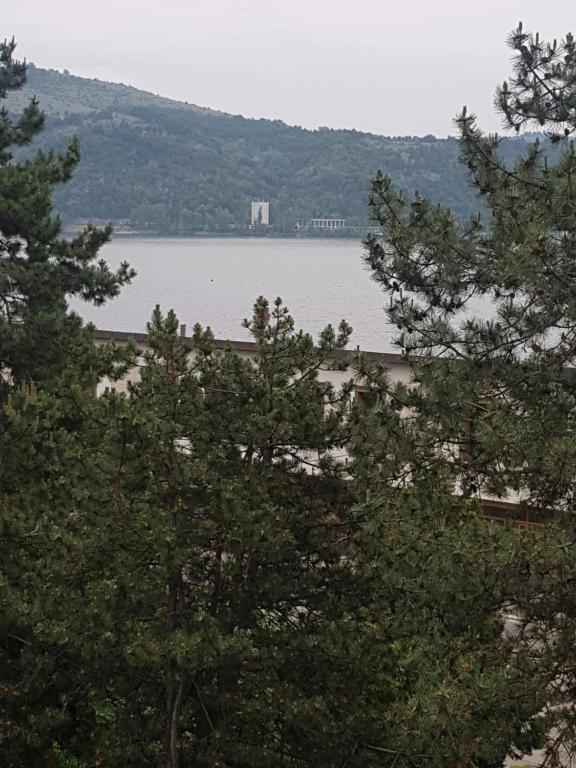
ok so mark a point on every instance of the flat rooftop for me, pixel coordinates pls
(387, 358)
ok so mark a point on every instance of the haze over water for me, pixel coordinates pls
(216, 281)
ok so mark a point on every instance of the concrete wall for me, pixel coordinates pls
(398, 369)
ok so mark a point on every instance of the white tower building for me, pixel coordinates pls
(260, 212)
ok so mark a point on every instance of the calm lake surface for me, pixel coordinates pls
(216, 281)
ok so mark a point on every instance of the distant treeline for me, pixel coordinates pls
(169, 169)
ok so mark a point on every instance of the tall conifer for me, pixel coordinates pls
(486, 313)
(39, 268)
(48, 369)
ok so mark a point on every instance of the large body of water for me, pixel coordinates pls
(216, 281)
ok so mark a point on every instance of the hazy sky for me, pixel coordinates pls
(388, 66)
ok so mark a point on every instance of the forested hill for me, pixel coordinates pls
(171, 167)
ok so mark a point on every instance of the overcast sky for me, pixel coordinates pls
(387, 66)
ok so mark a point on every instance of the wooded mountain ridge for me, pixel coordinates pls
(152, 163)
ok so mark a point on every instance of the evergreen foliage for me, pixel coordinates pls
(220, 568)
(232, 597)
(231, 565)
(495, 406)
(48, 364)
(38, 268)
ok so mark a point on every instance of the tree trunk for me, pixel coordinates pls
(175, 682)
(173, 710)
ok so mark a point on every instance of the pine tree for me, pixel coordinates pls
(195, 575)
(486, 314)
(221, 614)
(442, 579)
(48, 368)
(233, 596)
(38, 268)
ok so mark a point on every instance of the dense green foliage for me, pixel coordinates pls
(246, 611)
(510, 430)
(38, 267)
(233, 565)
(158, 165)
(47, 361)
(189, 593)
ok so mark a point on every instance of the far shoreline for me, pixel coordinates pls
(71, 231)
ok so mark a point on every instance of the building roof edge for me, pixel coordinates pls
(247, 346)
